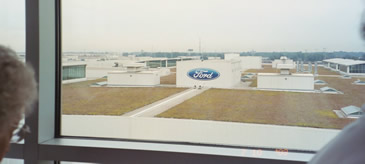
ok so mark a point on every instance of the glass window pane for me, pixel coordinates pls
(194, 71)
(12, 26)
(12, 161)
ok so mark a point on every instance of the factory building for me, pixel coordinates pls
(247, 62)
(285, 80)
(208, 73)
(283, 60)
(251, 62)
(72, 72)
(214, 58)
(231, 56)
(345, 66)
(134, 75)
(166, 62)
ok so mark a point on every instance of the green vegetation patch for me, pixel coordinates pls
(81, 99)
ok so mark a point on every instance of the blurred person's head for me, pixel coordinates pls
(17, 93)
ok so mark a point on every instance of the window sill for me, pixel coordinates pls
(102, 151)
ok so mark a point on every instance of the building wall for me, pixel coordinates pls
(73, 72)
(251, 62)
(130, 78)
(231, 56)
(229, 73)
(292, 82)
(343, 68)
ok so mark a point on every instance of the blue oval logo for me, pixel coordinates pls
(203, 74)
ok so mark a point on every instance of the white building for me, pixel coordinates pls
(284, 80)
(289, 82)
(214, 58)
(135, 75)
(283, 60)
(208, 73)
(231, 56)
(247, 62)
(345, 66)
(250, 62)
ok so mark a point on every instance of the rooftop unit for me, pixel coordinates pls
(283, 60)
(284, 68)
(346, 77)
(328, 90)
(135, 67)
(319, 82)
(359, 82)
(352, 111)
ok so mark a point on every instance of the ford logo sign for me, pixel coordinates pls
(203, 74)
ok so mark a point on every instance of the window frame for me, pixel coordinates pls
(46, 145)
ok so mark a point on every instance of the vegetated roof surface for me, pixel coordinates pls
(81, 99)
(269, 107)
(351, 110)
(169, 79)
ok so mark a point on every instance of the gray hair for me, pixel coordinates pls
(18, 88)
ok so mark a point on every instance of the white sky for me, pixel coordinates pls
(177, 25)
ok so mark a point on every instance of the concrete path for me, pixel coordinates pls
(164, 104)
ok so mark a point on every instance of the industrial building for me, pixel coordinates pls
(208, 73)
(134, 75)
(283, 60)
(345, 66)
(247, 62)
(166, 62)
(250, 62)
(231, 56)
(285, 80)
(73, 72)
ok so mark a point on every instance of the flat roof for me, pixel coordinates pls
(73, 64)
(278, 74)
(126, 72)
(346, 62)
(177, 58)
(212, 61)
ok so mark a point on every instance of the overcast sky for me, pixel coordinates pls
(177, 25)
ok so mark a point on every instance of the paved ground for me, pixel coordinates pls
(164, 104)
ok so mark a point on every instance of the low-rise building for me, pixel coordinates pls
(345, 66)
(208, 73)
(283, 60)
(285, 80)
(247, 62)
(134, 75)
(73, 72)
